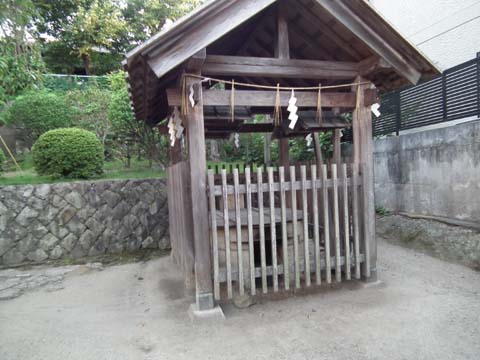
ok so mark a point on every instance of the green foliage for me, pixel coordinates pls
(38, 112)
(381, 211)
(21, 65)
(3, 159)
(89, 108)
(68, 153)
(147, 17)
(96, 26)
(129, 133)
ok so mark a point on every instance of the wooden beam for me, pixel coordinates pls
(325, 30)
(342, 13)
(267, 98)
(282, 46)
(240, 128)
(372, 64)
(195, 63)
(217, 65)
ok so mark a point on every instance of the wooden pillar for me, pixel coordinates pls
(283, 152)
(282, 51)
(363, 155)
(198, 191)
(175, 152)
(336, 140)
(267, 145)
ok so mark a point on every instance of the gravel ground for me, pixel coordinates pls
(425, 309)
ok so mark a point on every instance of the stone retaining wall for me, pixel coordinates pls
(53, 221)
(451, 243)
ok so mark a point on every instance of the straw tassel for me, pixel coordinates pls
(277, 115)
(319, 105)
(232, 101)
(184, 106)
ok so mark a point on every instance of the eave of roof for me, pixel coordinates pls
(171, 47)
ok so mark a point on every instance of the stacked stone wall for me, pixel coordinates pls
(74, 220)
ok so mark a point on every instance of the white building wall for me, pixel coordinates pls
(446, 31)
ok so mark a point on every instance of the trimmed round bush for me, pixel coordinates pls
(68, 153)
(39, 111)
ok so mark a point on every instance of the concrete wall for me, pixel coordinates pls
(447, 31)
(434, 172)
(53, 221)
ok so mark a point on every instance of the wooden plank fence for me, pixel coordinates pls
(261, 244)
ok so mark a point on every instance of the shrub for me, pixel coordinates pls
(2, 160)
(68, 153)
(38, 112)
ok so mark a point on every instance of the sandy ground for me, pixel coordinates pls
(425, 309)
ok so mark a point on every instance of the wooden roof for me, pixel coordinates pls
(350, 31)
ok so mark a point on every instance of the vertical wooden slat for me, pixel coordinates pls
(356, 220)
(213, 217)
(336, 225)
(286, 266)
(227, 233)
(326, 225)
(273, 234)
(346, 222)
(238, 222)
(295, 227)
(366, 220)
(248, 185)
(261, 224)
(316, 233)
(306, 239)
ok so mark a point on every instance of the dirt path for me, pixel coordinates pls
(426, 309)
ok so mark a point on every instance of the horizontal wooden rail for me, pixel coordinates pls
(265, 98)
(269, 269)
(297, 185)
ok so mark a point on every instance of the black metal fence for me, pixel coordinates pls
(451, 96)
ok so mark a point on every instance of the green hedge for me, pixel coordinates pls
(68, 153)
(38, 112)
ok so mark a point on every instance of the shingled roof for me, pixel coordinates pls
(346, 30)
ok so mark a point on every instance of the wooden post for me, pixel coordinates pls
(267, 151)
(363, 155)
(282, 51)
(175, 152)
(198, 191)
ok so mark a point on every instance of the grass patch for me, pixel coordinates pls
(112, 170)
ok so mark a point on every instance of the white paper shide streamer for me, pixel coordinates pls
(178, 123)
(292, 109)
(175, 127)
(375, 109)
(309, 139)
(236, 140)
(191, 93)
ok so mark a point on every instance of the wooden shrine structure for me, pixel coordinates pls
(286, 227)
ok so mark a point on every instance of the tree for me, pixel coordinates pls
(147, 17)
(88, 28)
(21, 66)
(128, 131)
(89, 108)
(95, 28)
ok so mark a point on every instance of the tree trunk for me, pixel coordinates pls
(86, 63)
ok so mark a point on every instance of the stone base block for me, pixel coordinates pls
(205, 316)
